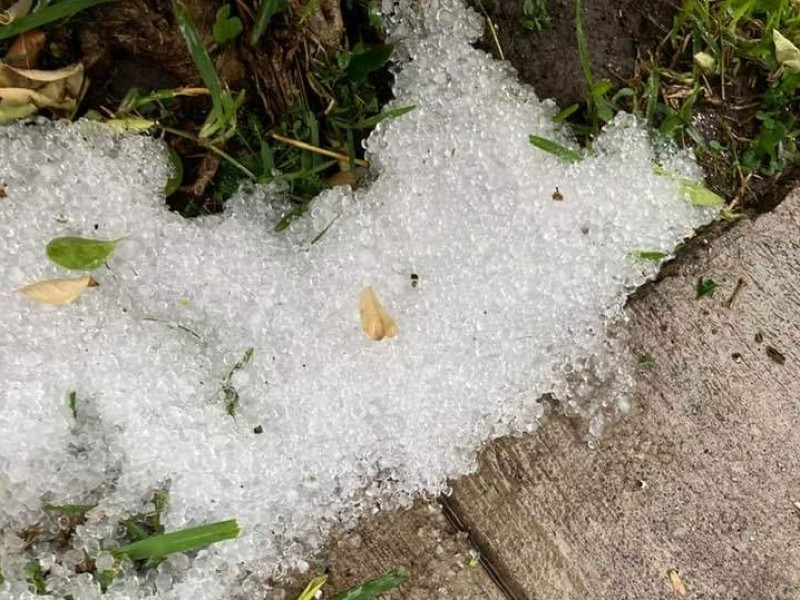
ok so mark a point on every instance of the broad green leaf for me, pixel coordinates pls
(226, 28)
(364, 63)
(389, 114)
(374, 588)
(786, 53)
(601, 88)
(266, 10)
(555, 149)
(183, 540)
(80, 254)
(310, 593)
(47, 15)
(176, 177)
(651, 255)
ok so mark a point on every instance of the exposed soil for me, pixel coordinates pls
(617, 32)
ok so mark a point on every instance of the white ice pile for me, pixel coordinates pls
(515, 293)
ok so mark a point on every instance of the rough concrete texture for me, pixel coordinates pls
(701, 481)
(419, 540)
(690, 496)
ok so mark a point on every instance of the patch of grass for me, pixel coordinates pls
(725, 80)
(365, 591)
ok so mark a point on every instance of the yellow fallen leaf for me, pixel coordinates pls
(375, 321)
(677, 583)
(58, 291)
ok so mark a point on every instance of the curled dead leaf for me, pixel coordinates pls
(58, 291)
(375, 321)
(16, 11)
(677, 583)
(60, 90)
(343, 178)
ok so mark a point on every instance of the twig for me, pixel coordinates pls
(323, 151)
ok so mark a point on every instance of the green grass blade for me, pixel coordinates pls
(374, 588)
(200, 56)
(389, 114)
(555, 149)
(647, 255)
(47, 15)
(364, 63)
(266, 10)
(565, 113)
(183, 540)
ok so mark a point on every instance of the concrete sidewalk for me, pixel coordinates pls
(691, 496)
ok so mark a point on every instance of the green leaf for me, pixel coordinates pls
(705, 287)
(364, 63)
(699, 195)
(786, 53)
(651, 255)
(80, 254)
(183, 540)
(266, 10)
(374, 588)
(176, 177)
(310, 593)
(72, 402)
(226, 28)
(105, 578)
(47, 15)
(555, 149)
(389, 114)
(601, 88)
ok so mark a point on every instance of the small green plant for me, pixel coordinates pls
(534, 15)
(226, 27)
(72, 403)
(221, 122)
(705, 287)
(267, 9)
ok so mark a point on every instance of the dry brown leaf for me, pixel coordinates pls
(375, 321)
(60, 90)
(677, 583)
(58, 291)
(3, 193)
(17, 10)
(24, 52)
(343, 178)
